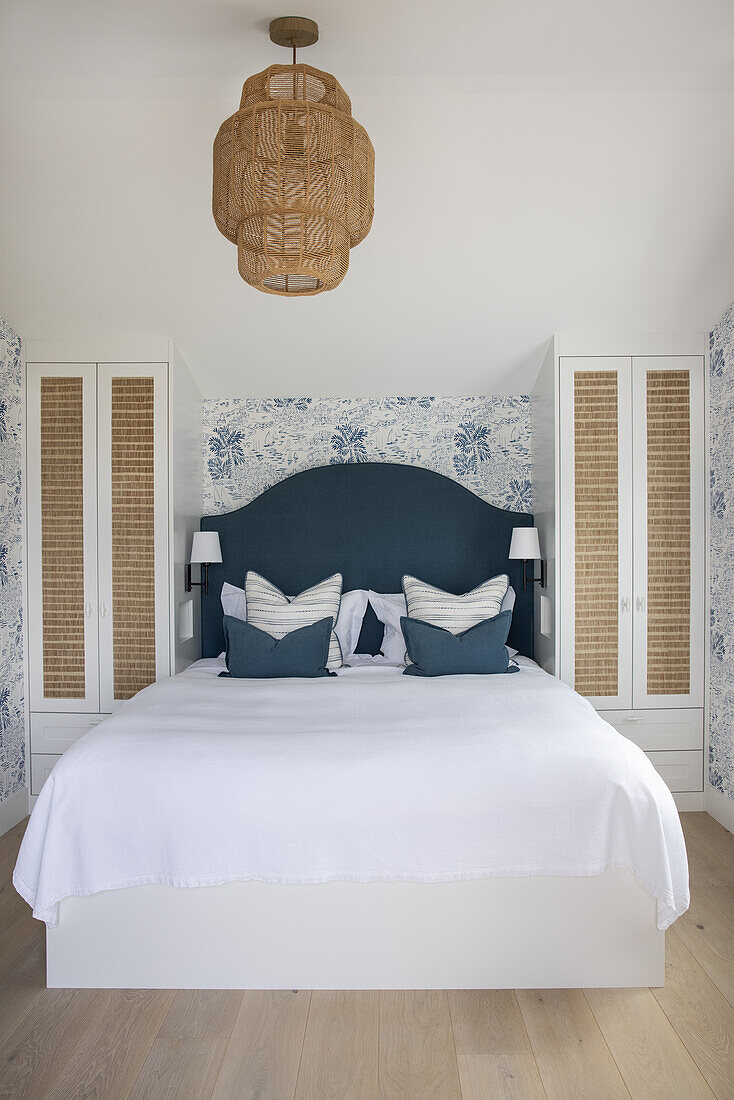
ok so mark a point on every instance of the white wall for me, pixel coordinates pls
(544, 403)
(186, 506)
(507, 208)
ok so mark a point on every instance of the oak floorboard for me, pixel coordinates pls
(417, 1056)
(179, 1069)
(649, 1053)
(111, 1053)
(16, 922)
(9, 846)
(573, 1058)
(202, 1014)
(22, 980)
(711, 864)
(712, 838)
(10, 900)
(264, 1050)
(500, 1077)
(708, 932)
(38, 1050)
(700, 1014)
(340, 1048)
(487, 1021)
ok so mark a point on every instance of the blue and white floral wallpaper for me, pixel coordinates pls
(12, 727)
(481, 442)
(721, 678)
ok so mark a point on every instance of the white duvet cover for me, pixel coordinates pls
(367, 776)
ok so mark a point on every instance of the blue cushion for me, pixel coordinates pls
(253, 654)
(480, 650)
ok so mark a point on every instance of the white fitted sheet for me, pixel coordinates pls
(367, 776)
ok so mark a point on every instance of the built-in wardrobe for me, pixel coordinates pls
(622, 514)
(114, 492)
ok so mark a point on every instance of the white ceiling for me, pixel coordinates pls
(204, 38)
(542, 165)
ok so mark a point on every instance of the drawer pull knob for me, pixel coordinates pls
(634, 718)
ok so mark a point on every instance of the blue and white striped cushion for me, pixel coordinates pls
(454, 613)
(271, 610)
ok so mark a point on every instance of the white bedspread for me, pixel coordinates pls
(371, 775)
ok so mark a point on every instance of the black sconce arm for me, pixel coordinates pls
(533, 580)
(203, 583)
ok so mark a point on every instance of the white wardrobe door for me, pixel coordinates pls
(133, 528)
(669, 504)
(596, 528)
(62, 536)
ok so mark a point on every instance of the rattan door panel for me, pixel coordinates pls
(62, 537)
(669, 531)
(133, 512)
(596, 534)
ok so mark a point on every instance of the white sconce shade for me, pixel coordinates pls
(205, 547)
(525, 543)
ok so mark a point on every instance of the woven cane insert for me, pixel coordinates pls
(133, 535)
(668, 533)
(62, 537)
(597, 532)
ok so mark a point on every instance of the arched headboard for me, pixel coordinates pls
(372, 522)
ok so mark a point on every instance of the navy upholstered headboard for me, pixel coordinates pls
(372, 522)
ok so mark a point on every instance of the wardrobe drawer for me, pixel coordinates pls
(682, 771)
(55, 733)
(41, 765)
(659, 730)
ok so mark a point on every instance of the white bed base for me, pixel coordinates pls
(481, 934)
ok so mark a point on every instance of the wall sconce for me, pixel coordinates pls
(205, 550)
(526, 545)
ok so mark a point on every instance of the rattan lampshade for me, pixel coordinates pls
(293, 181)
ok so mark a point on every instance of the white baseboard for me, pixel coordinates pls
(13, 810)
(720, 807)
(688, 801)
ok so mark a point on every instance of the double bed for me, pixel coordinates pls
(367, 830)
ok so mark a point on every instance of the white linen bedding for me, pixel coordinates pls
(371, 775)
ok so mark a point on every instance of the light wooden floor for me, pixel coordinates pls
(671, 1043)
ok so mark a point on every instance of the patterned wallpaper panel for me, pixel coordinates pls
(481, 442)
(721, 679)
(12, 730)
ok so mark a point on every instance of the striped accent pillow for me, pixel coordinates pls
(271, 610)
(454, 613)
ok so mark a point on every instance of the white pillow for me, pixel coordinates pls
(271, 610)
(348, 623)
(369, 660)
(389, 607)
(234, 602)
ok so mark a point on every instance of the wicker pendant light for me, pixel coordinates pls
(293, 174)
